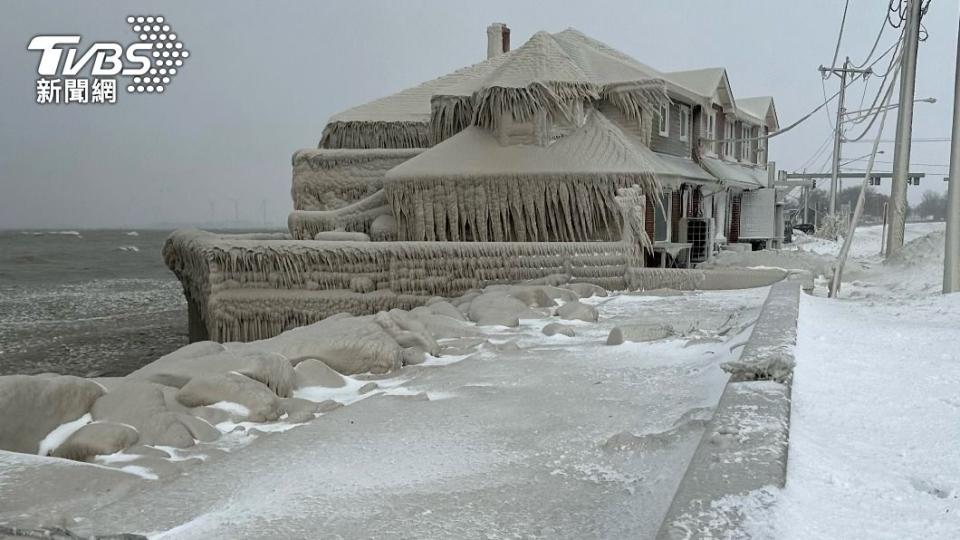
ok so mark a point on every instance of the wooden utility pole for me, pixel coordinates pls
(838, 132)
(951, 254)
(901, 151)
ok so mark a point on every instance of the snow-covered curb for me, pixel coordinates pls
(744, 446)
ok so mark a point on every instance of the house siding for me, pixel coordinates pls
(670, 145)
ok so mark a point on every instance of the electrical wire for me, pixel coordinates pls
(876, 42)
(829, 113)
(912, 164)
(827, 100)
(873, 118)
(816, 154)
(843, 23)
(885, 76)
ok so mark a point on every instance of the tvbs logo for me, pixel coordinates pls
(148, 65)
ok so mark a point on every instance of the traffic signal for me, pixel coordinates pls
(814, 185)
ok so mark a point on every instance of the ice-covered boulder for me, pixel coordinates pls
(577, 311)
(313, 372)
(97, 438)
(31, 407)
(446, 309)
(499, 308)
(443, 327)
(144, 406)
(553, 329)
(298, 410)
(348, 345)
(586, 290)
(638, 332)
(270, 368)
(259, 401)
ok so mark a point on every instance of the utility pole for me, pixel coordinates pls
(806, 202)
(838, 134)
(951, 252)
(901, 152)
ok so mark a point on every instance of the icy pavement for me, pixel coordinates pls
(876, 414)
(537, 436)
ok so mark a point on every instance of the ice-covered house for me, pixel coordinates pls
(494, 124)
(559, 157)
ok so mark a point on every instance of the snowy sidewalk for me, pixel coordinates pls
(875, 431)
(875, 423)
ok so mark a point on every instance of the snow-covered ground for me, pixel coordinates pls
(875, 421)
(533, 437)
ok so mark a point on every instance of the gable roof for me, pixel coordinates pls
(707, 83)
(546, 69)
(761, 108)
(597, 147)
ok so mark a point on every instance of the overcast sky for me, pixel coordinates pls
(264, 77)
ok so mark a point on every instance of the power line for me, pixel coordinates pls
(843, 23)
(876, 42)
(915, 140)
(911, 164)
(817, 153)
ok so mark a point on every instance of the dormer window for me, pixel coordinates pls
(664, 126)
(684, 122)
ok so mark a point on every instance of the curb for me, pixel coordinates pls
(744, 446)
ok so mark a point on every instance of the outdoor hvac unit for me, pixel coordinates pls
(699, 232)
(757, 215)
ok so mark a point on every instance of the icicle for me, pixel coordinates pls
(376, 135)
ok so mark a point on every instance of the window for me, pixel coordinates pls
(664, 120)
(762, 148)
(684, 122)
(728, 135)
(662, 218)
(747, 145)
(711, 130)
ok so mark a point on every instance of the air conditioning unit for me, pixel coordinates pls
(699, 232)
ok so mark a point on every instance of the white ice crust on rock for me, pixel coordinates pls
(638, 332)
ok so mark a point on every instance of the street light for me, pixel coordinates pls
(864, 112)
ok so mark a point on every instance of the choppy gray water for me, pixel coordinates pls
(95, 303)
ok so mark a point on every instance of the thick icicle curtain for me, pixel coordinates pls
(376, 134)
(511, 208)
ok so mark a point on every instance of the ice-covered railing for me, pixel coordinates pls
(285, 283)
(331, 179)
(356, 217)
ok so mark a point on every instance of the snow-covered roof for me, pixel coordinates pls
(736, 175)
(413, 104)
(572, 63)
(707, 83)
(761, 108)
(544, 71)
(597, 147)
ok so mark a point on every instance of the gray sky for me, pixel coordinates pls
(263, 78)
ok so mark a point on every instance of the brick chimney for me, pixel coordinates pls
(498, 39)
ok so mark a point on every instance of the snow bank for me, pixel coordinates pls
(874, 425)
(873, 450)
